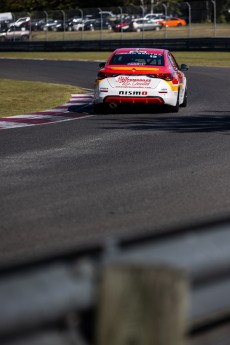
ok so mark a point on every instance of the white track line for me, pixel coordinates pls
(59, 113)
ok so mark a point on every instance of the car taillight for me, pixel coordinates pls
(102, 75)
(166, 76)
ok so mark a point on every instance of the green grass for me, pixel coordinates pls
(190, 58)
(22, 97)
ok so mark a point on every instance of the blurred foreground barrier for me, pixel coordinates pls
(142, 304)
(175, 44)
(171, 288)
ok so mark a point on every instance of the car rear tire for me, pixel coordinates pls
(25, 38)
(100, 108)
(175, 108)
(185, 100)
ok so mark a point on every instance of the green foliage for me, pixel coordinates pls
(39, 5)
(173, 6)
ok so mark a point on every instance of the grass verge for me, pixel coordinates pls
(190, 58)
(23, 97)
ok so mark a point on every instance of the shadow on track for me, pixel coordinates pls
(207, 121)
(217, 122)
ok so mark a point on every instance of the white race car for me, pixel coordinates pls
(140, 76)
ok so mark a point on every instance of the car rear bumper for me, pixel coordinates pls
(133, 100)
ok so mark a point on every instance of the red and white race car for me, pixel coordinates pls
(140, 76)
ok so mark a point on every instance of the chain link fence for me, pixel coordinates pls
(202, 18)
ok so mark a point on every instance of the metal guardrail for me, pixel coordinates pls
(180, 44)
(57, 301)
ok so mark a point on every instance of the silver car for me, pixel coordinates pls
(15, 33)
(143, 24)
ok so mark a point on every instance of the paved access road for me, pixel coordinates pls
(67, 184)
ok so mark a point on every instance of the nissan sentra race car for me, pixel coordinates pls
(140, 76)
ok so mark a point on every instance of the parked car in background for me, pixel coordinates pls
(15, 33)
(173, 21)
(155, 17)
(143, 24)
(49, 24)
(107, 15)
(59, 25)
(93, 24)
(83, 25)
(71, 22)
(37, 24)
(98, 24)
(22, 22)
(4, 25)
(121, 25)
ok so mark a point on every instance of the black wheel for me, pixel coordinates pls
(185, 100)
(99, 108)
(179, 24)
(175, 108)
(2, 39)
(25, 38)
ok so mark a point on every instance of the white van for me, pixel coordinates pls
(6, 16)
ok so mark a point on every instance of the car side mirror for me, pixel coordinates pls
(183, 67)
(102, 64)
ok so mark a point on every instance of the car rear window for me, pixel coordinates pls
(134, 58)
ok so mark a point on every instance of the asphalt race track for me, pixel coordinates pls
(68, 184)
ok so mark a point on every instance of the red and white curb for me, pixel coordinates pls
(60, 113)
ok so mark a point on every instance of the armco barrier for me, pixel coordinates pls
(180, 44)
(171, 288)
